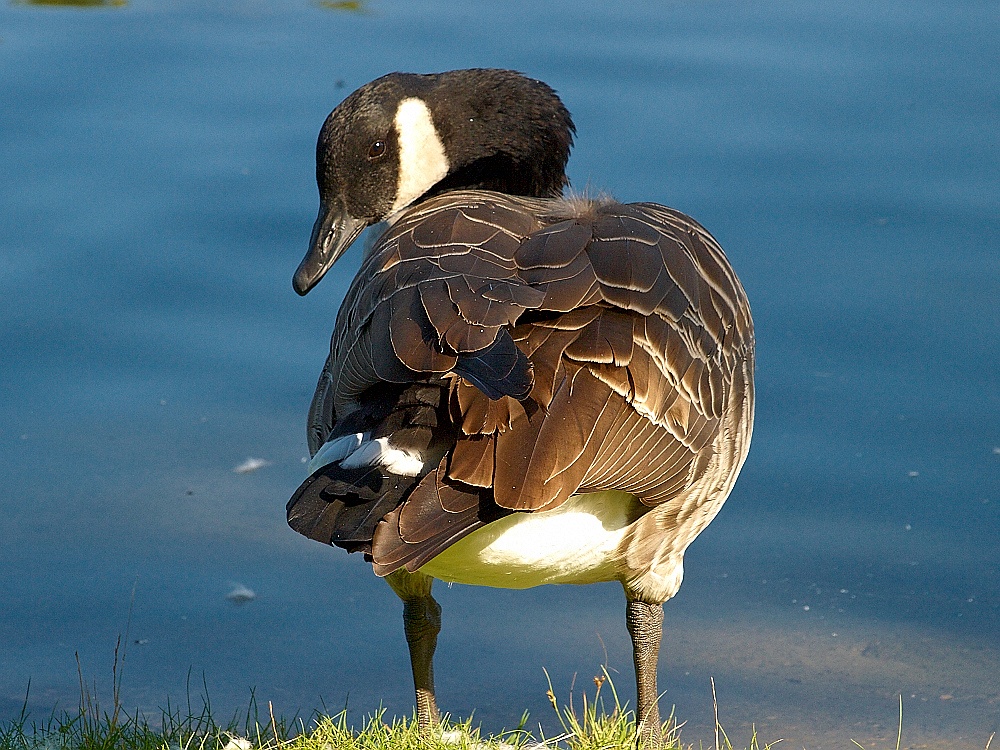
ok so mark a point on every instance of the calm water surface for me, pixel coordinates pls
(157, 194)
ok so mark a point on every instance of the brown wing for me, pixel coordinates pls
(437, 513)
(622, 324)
(634, 349)
(439, 294)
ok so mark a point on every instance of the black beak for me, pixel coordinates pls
(332, 234)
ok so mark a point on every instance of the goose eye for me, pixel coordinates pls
(377, 149)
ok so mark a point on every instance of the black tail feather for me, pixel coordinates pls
(342, 506)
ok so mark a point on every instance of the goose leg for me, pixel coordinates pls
(421, 623)
(645, 625)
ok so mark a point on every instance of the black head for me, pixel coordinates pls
(404, 137)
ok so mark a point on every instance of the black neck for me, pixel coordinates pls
(504, 132)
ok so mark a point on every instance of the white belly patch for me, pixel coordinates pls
(575, 543)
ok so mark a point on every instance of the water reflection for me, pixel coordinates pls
(74, 3)
(354, 6)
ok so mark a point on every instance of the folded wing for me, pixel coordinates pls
(579, 346)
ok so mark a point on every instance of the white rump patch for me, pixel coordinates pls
(357, 450)
(422, 161)
(335, 450)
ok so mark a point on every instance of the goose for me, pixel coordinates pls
(522, 388)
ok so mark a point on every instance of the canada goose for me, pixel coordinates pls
(521, 388)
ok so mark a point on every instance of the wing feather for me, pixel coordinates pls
(585, 346)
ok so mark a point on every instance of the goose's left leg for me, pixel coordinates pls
(645, 625)
(421, 623)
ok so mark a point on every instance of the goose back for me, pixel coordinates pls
(527, 350)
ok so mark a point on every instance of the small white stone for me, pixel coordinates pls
(251, 465)
(241, 594)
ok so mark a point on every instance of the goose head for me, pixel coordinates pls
(404, 137)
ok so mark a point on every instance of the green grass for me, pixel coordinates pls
(591, 722)
(597, 721)
(591, 729)
(594, 724)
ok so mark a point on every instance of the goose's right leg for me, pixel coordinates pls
(645, 626)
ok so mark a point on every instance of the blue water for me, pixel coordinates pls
(157, 194)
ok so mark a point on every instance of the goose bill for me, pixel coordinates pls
(332, 234)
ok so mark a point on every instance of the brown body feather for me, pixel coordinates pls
(632, 369)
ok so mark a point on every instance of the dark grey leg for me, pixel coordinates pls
(421, 623)
(645, 625)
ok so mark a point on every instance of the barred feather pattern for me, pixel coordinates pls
(580, 346)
